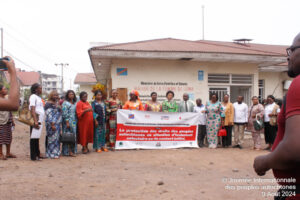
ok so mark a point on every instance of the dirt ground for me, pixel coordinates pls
(133, 174)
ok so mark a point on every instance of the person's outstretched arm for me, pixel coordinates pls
(12, 103)
(286, 156)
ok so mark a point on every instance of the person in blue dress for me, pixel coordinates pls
(99, 113)
(69, 123)
(53, 126)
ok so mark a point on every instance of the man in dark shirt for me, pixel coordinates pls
(284, 159)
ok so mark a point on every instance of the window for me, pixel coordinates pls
(221, 91)
(261, 90)
(218, 78)
(240, 79)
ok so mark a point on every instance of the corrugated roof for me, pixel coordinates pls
(26, 78)
(85, 78)
(178, 45)
(276, 49)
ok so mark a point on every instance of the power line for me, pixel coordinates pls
(29, 48)
(16, 58)
(20, 33)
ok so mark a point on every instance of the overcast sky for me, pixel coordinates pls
(41, 33)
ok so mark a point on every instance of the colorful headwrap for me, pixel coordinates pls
(136, 93)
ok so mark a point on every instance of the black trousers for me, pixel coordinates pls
(201, 135)
(270, 133)
(34, 147)
(227, 140)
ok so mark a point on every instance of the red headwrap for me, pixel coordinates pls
(136, 93)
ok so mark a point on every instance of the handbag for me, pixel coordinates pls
(68, 137)
(222, 132)
(273, 119)
(258, 123)
(25, 115)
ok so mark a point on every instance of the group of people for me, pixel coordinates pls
(88, 122)
(284, 159)
(215, 115)
(97, 122)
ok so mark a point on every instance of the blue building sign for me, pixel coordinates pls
(200, 75)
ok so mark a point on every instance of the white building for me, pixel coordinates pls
(51, 82)
(194, 67)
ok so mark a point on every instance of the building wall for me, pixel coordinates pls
(179, 76)
(274, 83)
(88, 89)
(47, 83)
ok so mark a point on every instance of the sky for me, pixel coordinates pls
(39, 34)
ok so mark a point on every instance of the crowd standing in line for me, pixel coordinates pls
(96, 122)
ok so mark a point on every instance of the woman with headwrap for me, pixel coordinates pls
(134, 102)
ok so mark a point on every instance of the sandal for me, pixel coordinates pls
(99, 151)
(84, 151)
(104, 149)
(11, 156)
(72, 155)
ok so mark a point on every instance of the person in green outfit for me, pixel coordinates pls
(170, 105)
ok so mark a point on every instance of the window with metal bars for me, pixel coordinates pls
(230, 79)
(218, 78)
(261, 90)
(241, 79)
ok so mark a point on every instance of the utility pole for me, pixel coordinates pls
(1, 42)
(202, 22)
(62, 74)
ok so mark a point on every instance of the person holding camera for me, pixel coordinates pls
(12, 102)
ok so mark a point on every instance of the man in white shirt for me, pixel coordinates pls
(186, 105)
(240, 120)
(200, 108)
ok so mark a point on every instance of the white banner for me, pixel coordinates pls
(156, 130)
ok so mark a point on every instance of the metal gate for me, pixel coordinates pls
(220, 91)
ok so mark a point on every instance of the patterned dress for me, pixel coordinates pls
(259, 111)
(213, 123)
(5, 128)
(69, 114)
(170, 106)
(99, 112)
(153, 106)
(112, 118)
(53, 115)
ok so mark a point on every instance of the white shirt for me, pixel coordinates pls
(202, 116)
(268, 110)
(240, 112)
(36, 101)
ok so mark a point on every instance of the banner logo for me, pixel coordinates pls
(131, 116)
(164, 118)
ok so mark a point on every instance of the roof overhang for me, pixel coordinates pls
(101, 58)
(273, 68)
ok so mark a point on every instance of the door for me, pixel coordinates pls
(123, 95)
(244, 91)
(220, 91)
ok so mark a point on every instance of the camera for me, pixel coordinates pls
(2, 64)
